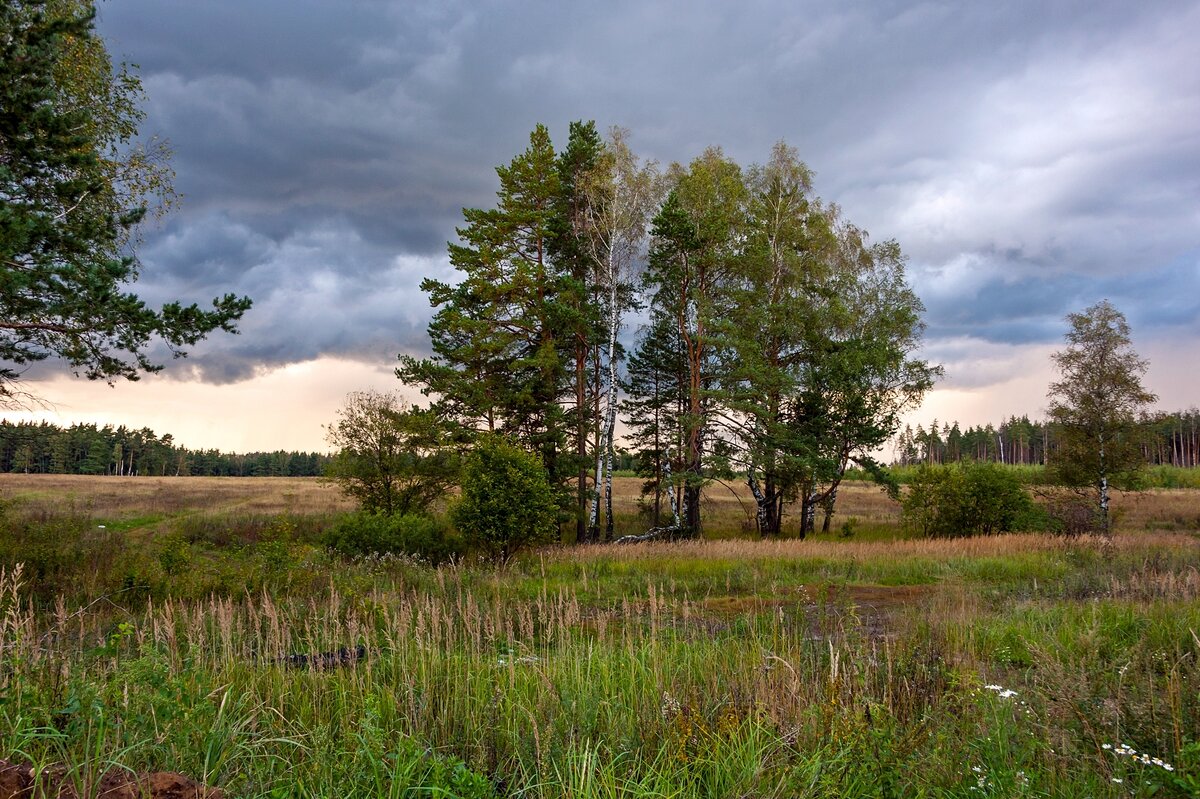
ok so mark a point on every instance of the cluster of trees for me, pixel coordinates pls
(776, 341)
(44, 448)
(74, 183)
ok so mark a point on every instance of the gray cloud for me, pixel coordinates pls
(1031, 158)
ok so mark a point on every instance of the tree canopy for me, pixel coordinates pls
(74, 185)
(1095, 405)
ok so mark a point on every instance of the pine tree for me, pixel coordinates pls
(498, 335)
(64, 217)
(656, 400)
(570, 247)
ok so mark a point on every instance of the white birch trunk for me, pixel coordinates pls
(666, 470)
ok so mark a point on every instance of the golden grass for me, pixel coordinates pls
(728, 507)
(115, 497)
(938, 548)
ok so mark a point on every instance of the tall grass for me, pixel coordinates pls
(718, 669)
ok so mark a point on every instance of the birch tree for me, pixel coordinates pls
(622, 193)
(863, 376)
(766, 340)
(1094, 407)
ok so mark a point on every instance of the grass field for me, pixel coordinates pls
(873, 665)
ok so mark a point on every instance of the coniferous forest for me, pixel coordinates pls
(43, 448)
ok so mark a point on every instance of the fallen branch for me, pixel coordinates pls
(655, 534)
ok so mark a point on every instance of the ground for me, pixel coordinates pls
(154, 622)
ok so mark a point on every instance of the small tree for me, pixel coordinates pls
(392, 458)
(507, 501)
(1094, 407)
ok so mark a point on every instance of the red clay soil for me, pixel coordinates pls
(17, 782)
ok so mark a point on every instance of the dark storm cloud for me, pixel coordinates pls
(1031, 157)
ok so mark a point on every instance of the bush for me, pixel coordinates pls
(980, 498)
(507, 502)
(376, 533)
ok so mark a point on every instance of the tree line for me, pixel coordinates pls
(44, 448)
(1164, 439)
(775, 341)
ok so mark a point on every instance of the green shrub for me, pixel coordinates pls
(979, 498)
(507, 502)
(376, 533)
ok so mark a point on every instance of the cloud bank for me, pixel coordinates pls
(1030, 157)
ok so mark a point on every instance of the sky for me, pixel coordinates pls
(1031, 158)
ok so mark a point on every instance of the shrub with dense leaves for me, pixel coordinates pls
(377, 533)
(507, 502)
(976, 499)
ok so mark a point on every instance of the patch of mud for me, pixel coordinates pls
(865, 610)
(18, 781)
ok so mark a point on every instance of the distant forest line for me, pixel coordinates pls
(44, 448)
(1170, 439)
(1167, 439)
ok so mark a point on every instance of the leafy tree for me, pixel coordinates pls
(392, 458)
(70, 201)
(862, 377)
(507, 501)
(622, 194)
(766, 339)
(1094, 407)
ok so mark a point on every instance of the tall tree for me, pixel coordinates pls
(1094, 406)
(863, 375)
(70, 199)
(765, 341)
(572, 251)
(497, 334)
(696, 241)
(622, 193)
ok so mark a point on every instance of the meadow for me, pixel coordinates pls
(196, 625)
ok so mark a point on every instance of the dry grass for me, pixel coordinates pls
(937, 548)
(728, 507)
(117, 497)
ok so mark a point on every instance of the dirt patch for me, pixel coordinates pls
(18, 781)
(828, 610)
(872, 597)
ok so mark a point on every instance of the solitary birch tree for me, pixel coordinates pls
(1095, 406)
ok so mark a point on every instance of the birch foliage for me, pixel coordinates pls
(1095, 405)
